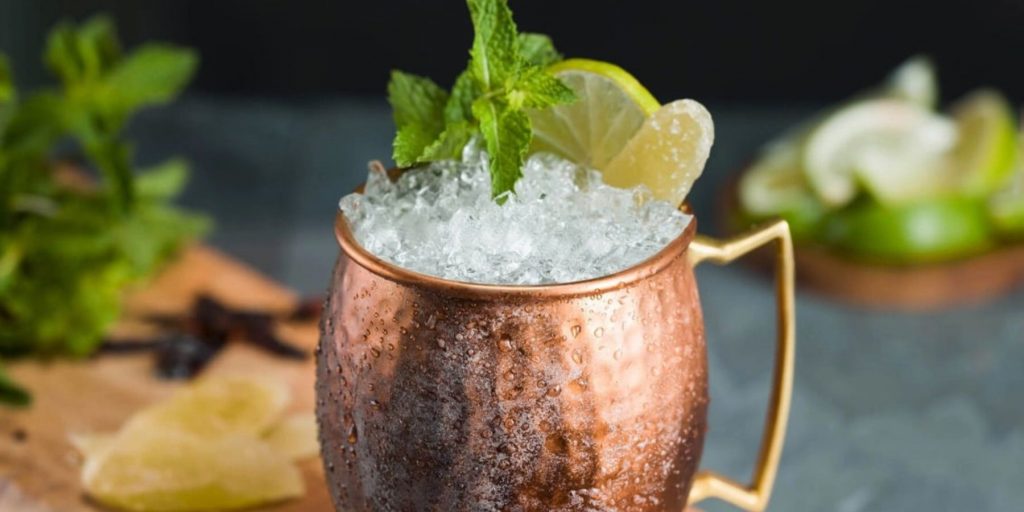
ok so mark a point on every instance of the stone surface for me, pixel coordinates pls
(891, 411)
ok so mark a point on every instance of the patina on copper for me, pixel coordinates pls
(449, 396)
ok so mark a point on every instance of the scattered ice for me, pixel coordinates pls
(563, 224)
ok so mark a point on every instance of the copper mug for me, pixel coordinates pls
(449, 396)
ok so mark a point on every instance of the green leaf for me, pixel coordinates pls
(537, 49)
(418, 109)
(494, 53)
(113, 158)
(536, 88)
(11, 393)
(416, 100)
(507, 134)
(164, 181)
(151, 75)
(449, 145)
(79, 56)
(36, 124)
(7, 92)
(67, 253)
(460, 103)
(410, 142)
(505, 75)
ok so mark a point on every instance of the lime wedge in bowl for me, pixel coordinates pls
(914, 80)
(926, 231)
(1007, 211)
(986, 151)
(1006, 207)
(893, 147)
(775, 186)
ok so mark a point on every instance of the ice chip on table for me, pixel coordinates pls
(563, 224)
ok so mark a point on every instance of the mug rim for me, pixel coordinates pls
(654, 264)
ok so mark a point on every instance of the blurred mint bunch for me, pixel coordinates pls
(70, 245)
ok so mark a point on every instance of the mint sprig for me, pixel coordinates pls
(505, 76)
(68, 251)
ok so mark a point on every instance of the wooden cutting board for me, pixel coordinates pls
(39, 470)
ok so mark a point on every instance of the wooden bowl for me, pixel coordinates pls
(924, 287)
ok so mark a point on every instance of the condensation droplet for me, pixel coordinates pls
(576, 330)
(577, 357)
(599, 332)
(556, 444)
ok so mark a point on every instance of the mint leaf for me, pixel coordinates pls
(505, 75)
(416, 100)
(35, 125)
(536, 88)
(113, 158)
(7, 92)
(494, 53)
(460, 103)
(507, 134)
(410, 143)
(450, 143)
(537, 49)
(418, 108)
(84, 54)
(163, 181)
(151, 75)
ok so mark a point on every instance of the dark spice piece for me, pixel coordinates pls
(197, 337)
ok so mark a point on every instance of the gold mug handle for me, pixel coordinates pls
(708, 484)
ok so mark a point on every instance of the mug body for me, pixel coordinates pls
(436, 395)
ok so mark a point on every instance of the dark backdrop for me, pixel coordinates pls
(756, 51)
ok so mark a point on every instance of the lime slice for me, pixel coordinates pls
(914, 80)
(219, 405)
(919, 232)
(617, 127)
(1007, 211)
(775, 186)
(163, 469)
(1006, 207)
(775, 183)
(611, 107)
(986, 151)
(894, 147)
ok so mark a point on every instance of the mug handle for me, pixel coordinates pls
(708, 484)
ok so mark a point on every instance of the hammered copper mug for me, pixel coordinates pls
(449, 396)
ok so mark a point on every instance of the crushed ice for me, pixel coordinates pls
(563, 224)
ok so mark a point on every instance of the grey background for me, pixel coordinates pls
(892, 412)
